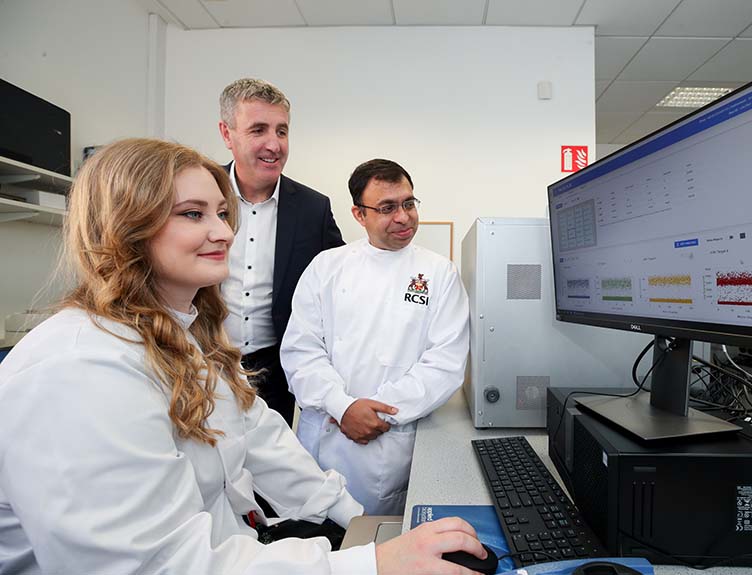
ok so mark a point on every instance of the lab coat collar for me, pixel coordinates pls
(378, 252)
(185, 319)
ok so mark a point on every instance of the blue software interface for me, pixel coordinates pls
(663, 229)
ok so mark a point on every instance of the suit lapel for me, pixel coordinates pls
(286, 217)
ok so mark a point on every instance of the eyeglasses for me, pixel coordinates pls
(387, 209)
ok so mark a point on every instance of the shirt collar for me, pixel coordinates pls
(185, 319)
(234, 182)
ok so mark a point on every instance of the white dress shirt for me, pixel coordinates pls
(248, 289)
(95, 479)
(385, 325)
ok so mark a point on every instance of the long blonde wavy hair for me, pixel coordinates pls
(121, 197)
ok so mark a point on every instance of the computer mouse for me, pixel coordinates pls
(486, 566)
(604, 568)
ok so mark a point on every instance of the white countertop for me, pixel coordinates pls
(445, 471)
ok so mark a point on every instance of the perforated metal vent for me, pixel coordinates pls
(524, 281)
(590, 476)
(531, 391)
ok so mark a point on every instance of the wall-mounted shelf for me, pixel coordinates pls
(11, 210)
(27, 176)
(20, 175)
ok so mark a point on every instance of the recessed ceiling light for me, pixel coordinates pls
(692, 97)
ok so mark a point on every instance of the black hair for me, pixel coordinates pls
(382, 170)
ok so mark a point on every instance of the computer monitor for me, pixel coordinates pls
(34, 131)
(657, 238)
(4, 350)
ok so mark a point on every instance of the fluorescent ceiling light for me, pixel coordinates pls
(692, 97)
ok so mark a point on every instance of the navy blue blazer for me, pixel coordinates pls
(305, 227)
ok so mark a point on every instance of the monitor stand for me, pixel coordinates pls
(664, 412)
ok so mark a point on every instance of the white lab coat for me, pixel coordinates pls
(364, 324)
(93, 478)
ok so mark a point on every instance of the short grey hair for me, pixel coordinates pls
(248, 89)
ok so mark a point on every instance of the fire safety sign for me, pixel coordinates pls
(573, 158)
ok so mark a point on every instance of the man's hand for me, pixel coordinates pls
(361, 422)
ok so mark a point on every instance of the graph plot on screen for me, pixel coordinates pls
(675, 289)
(578, 288)
(616, 289)
(734, 288)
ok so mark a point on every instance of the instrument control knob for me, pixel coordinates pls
(492, 394)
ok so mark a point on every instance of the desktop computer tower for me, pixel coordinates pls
(683, 501)
(560, 425)
(517, 347)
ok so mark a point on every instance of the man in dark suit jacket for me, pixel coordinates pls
(284, 225)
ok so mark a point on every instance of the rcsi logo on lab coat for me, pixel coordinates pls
(417, 290)
(573, 158)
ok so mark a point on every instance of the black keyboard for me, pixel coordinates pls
(539, 520)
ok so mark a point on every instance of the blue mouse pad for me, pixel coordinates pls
(481, 517)
(642, 566)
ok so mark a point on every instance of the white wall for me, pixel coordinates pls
(456, 106)
(29, 254)
(88, 57)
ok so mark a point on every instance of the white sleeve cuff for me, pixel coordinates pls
(354, 561)
(344, 510)
(336, 403)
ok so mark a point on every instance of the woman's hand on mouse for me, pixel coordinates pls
(418, 552)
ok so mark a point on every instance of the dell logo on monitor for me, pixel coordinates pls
(634, 327)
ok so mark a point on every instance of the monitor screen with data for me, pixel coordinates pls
(658, 236)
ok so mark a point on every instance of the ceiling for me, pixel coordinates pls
(643, 48)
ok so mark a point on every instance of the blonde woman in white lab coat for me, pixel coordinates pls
(129, 442)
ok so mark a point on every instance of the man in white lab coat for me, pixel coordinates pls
(378, 338)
